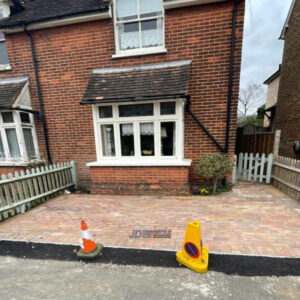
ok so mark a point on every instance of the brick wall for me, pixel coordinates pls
(288, 106)
(67, 55)
(140, 180)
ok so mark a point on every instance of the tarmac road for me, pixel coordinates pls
(50, 279)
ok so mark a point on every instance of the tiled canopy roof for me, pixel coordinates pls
(39, 10)
(138, 83)
(10, 90)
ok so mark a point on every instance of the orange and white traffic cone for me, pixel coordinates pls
(89, 249)
(86, 242)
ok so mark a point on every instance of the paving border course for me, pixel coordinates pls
(226, 263)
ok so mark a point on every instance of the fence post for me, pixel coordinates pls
(276, 142)
(269, 168)
(234, 170)
(74, 174)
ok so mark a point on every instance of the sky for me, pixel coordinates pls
(262, 49)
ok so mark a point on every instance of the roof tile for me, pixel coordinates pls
(141, 82)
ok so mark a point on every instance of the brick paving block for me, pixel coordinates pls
(242, 222)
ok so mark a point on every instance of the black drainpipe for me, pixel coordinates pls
(231, 73)
(39, 93)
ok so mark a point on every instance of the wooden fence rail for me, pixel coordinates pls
(26, 189)
(251, 167)
(286, 176)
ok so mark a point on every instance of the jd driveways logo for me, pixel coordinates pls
(149, 234)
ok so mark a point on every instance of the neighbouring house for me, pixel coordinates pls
(134, 91)
(272, 95)
(287, 117)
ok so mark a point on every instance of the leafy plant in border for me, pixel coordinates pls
(213, 166)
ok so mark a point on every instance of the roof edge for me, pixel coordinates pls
(287, 21)
(139, 99)
(66, 19)
(144, 67)
(183, 3)
(14, 80)
(82, 16)
(273, 76)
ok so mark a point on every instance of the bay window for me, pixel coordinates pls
(139, 26)
(17, 137)
(147, 132)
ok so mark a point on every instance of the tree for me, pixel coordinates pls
(214, 166)
(250, 98)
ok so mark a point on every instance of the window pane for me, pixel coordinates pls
(29, 142)
(136, 110)
(127, 139)
(129, 36)
(152, 33)
(168, 108)
(126, 9)
(7, 117)
(3, 54)
(25, 118)
(105, 112)
(108, 140)
(147, 139)
(12, 142)
(168, 138)
(151, 8)
(2, 154)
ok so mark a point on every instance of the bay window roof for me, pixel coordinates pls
(10, 90)
(138, 83)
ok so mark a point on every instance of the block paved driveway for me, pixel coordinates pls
(251, 219)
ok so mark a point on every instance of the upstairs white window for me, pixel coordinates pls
(17, 137)
(4, 61)
(139, 25)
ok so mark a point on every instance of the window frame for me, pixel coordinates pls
(157, 119)
(139, 20)
(4, 67)
(18, 126)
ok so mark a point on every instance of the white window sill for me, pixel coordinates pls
(5, 67)
(14, 163)
(140, 52)
(135, 163)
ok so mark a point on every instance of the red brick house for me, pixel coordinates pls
(287, 117)
(132, 90)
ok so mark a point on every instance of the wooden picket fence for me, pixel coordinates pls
(286, 176)
(27, 189)
(251, 167)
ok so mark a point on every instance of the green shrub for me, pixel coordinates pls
(213, 166)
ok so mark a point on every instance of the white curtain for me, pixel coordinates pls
(147, 129)
(152, 33)
(2, 154)
(128, 40)
(13, 142)
(29, 142)
(108, 142)
(127, 129)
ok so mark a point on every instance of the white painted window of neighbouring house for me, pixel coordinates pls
(139, 26)
(4, 61)
(141, 132)
(18, 141)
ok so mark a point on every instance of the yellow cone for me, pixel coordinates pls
(193, 255)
